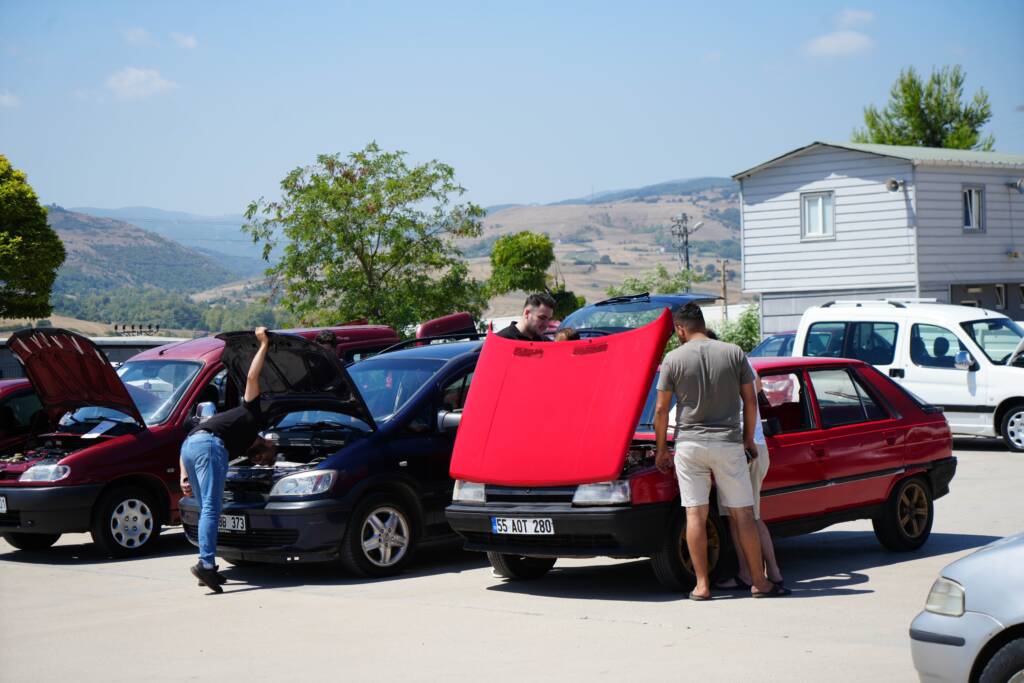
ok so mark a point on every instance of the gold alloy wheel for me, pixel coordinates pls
(912, 510)
(714, 548)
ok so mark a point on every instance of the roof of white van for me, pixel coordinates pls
(863, 310)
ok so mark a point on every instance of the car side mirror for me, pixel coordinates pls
(964, 361)
(204, 411)
(771, 426)
(448, 421)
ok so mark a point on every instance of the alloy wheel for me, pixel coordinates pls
(1015, 428)
(913, 510)
(385, 536)
(714, 548)
(131, 523)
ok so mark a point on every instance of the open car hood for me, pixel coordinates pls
(68, 371)
(298, 375)
(552, 414)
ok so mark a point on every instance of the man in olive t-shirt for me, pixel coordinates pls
(705, 376)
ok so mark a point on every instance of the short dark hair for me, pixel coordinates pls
(327, 338)
(711, 334)
(689, 317)
(540, 299)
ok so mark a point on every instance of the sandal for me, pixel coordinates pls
(739, 584)
(777, 591)
(699, 598)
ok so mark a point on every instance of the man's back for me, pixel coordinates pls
(705, 376)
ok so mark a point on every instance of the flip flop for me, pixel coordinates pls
(699, 598)
(740, 584)
(777, 591)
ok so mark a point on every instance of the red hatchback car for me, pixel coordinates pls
(845, 443)
(110, 466)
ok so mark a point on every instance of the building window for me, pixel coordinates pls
(817, 215)
(1021, 292)
(1001, 297)
(974, 208)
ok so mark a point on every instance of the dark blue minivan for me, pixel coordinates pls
(363, 455)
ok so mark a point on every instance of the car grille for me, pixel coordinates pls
(517, 494)
(570, 541)
(253, 538)
(10, 519)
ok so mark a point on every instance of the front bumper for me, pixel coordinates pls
(626, 531)
(284, 532)
(48, 509)
(944, 648)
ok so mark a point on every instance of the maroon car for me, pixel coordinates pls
(110, 464)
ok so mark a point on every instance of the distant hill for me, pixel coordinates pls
(671, 187)
(106, 254)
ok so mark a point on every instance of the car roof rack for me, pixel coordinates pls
(893, 301)
(426, 341)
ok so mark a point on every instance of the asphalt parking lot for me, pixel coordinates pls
(68, 613)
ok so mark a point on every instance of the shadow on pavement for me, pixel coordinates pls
(979, 443)
(170, 543)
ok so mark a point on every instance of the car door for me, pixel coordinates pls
(932, 375)
(795, 484)
(861, 443)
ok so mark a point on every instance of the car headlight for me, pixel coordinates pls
(603, 493)
(45, 473)
(469, 492)
(945, 597)
(304, 483)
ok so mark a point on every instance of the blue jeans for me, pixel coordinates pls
(206, 461)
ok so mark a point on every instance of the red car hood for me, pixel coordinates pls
(69, 372)
(550, 414)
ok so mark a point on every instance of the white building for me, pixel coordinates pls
(844, 220)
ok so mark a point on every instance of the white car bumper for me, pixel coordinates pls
(944, 648)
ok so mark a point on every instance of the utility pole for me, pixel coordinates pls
(725, 291)
(681, 232)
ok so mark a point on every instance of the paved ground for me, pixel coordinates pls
(68, 614)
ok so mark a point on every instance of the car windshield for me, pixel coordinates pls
(615, 316)
(316, 420)
(156, 386)
(387, 382)
(998, 338)
(647, 416)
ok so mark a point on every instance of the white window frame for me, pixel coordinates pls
(977, 211)
(1000, 297)
(827, 218)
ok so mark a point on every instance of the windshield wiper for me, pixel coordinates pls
(322, 424)
(624, 299)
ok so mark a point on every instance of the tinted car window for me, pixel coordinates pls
(616, 316)
(932, 346)
(843, 401)
(387, 383)
(872, 342)
(774, 346)
(453, 394)
(22, 409)
(825, 339)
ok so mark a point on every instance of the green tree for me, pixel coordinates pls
(520, 262)
(930, 114)
(565, 301)
(30, 250)
(659, 281)
(368, 236)
(744, 332)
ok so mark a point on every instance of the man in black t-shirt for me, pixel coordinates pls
(537, 313)
(205, 455)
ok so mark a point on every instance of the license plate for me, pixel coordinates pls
(231, 523)
(523, 526)
(3, 505)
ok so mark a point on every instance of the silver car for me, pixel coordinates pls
(972, 626)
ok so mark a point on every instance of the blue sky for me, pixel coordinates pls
(203, 107)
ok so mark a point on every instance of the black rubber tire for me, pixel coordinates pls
(35, 542)
(103, 535)
(672, 564)
(1005, 663)
(890, 524)
(352, 556)
(1016, 414)
(521, 567)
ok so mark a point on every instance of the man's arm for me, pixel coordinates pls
(662, 459)
(252, 380)
(749, 416)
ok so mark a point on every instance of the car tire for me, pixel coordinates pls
(1007, 662)
(672, 565)
(126, 522)
(31, 541)
(1012, 428)
(520, 567)
(380, 538)
(906, 519)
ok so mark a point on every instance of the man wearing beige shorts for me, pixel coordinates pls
(705, 376)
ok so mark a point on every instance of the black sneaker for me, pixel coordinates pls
(221, 579)
(207, 577)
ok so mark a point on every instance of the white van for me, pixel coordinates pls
(969, 361)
